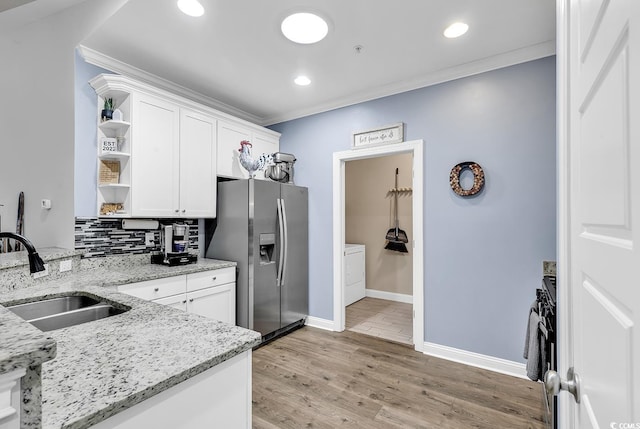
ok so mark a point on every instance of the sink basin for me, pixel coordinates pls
(48, 307)
(62, 312)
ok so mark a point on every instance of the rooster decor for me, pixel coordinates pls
(247, 161)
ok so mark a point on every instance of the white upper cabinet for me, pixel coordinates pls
(170, 151)
(174, 160)
(155, 157)
(229, 137)
(197, 164)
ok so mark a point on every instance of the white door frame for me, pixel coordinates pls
(415, 147)
(564, 299)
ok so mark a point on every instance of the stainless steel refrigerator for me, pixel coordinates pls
(263, 226)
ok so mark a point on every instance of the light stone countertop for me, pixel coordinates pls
(106, 366)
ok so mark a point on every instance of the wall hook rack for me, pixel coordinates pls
(400, 190)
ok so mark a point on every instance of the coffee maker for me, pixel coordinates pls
(174, 246)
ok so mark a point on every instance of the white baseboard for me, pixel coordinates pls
(317, 322)
(478, 360)
(389, 296)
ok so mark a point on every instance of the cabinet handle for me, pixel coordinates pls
(191, 300)
(156, 289)
(183, 210)
(184, 302)
(214, 279)
(176, 210)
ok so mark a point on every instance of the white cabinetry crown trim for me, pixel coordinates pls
(114, 82)
(101, 60)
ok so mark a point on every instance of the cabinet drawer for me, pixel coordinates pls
(154, 289)
(176, 301)
(197, 281)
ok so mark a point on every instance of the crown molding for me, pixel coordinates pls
(518, 56)
(101, 60)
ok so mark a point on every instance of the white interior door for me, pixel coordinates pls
(599, 63)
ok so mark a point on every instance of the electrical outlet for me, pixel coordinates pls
(65, 265)
(42, 273)
(149, 239)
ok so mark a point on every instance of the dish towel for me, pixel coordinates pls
(533, 309)
(534, 348)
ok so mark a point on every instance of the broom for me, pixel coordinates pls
(396, 238)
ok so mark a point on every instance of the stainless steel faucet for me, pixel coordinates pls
(35, 262)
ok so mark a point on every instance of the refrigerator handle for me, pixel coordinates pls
(286, 242)
(282, 243)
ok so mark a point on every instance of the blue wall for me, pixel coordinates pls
(483, 255)
(86, 146)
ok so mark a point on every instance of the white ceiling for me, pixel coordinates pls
(235, 53)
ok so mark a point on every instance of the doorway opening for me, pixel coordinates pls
(415, 245)
(377, 263)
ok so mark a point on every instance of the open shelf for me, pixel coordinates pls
(113, 185)
(114, 155)
(115, 125)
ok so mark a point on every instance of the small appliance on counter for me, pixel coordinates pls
(174, 245)
(282, 168)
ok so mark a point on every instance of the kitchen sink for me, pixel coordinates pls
(65, 311)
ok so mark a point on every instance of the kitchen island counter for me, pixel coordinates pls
(106, 366)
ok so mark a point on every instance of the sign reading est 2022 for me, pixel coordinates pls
(109, 145)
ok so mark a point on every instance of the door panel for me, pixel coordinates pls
(229, 138)
(197, 165)
(604, 210)
(295, 291)
(155, 157)
(215, 303)
(604, 152)
(266, 292)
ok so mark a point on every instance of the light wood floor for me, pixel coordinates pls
(313, 378)
(381, 318)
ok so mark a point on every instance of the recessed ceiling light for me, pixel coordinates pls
(191, 7)
(302, 81)
(456, 29)
(304, 28)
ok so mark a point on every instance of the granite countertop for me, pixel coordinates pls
(106, 366)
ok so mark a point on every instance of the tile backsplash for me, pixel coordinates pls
(105, 237)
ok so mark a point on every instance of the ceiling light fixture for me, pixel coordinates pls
(302, 81)
(191, 7)
(456, 29)
(304, 28)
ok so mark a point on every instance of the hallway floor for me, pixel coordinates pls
(319, 379)
(381, 318)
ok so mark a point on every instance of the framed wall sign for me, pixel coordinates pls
(378, 136)
(108, 145)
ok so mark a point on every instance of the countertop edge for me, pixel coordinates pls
(139, 397)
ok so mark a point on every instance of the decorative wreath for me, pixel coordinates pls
(478, 178)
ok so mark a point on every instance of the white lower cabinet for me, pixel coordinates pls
(210, 294)
(354, 273)
(214, 302)
(10, 399)
(217, 398)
